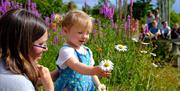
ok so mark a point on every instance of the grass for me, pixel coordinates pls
(133, 71)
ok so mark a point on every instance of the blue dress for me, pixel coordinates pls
(70, 80)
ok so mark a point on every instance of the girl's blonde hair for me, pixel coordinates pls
(77, 18)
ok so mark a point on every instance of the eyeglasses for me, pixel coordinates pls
(44, 46)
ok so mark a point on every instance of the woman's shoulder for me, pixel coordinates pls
(15, 82)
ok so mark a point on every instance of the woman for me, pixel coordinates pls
(23, 39)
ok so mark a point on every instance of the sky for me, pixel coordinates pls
(176, 6)
(80, 3)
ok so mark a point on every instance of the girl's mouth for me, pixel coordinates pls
(82, 41)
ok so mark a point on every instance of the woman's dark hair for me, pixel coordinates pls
(18, 30)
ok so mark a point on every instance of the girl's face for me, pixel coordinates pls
(39, 46)
(76, 36)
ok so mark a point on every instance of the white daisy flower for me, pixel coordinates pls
(120, 47)
(153, 54)
(154, 65)
(144, 43)
(144, 52)
(134, 39)
(101, 87)
(106, 65)
(57, 18)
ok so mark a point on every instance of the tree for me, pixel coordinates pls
(71, 6)
(175, 18)
(86, 8)
(46, 7)
(140, 8)
(165, 7)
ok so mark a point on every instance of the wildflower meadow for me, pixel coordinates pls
(114, 38)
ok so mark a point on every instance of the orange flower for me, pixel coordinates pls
(53, 25)
(99, 49)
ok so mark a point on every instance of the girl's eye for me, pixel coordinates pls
(80, 32)
(88, 33)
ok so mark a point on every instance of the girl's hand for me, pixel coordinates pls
(100, 72)
(102, 87)
(45, 78)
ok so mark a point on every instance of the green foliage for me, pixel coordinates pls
(140, 9)
(175, 18)
(86, 8)
(71, 5)
(95, 10)
(49, 58)
(47, 7)
(132, 70)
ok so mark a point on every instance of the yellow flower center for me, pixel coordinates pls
(121, 46)
(106, 65)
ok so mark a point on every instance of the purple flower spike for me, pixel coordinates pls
(56, 40)
(107, 10)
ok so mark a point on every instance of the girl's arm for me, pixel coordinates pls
(54, 74)
(74, 64)
(99, 86)
(96, 81)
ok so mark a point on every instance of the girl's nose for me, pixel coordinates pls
(85, 35)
